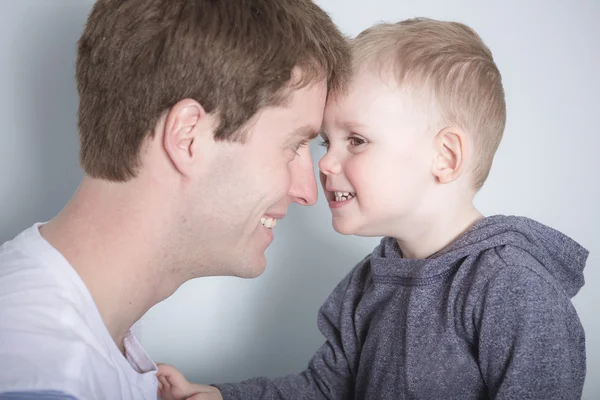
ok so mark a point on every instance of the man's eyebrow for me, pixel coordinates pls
(306, 131)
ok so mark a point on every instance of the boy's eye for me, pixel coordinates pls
(324, 142)
(356, 141)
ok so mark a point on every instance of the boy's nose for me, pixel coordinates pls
(329, 164)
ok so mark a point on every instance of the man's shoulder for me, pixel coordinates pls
(23, 253)
(43, 325)
(52, 336)
(33, 273)
(47, 343)
(30, 283)
(38, 357)
(44, 332)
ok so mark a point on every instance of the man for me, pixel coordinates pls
(194, 120)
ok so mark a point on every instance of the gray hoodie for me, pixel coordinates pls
(489, 317)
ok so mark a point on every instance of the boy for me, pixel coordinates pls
(450, 305)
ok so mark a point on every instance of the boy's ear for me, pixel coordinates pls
(185, 123)
(450, 149)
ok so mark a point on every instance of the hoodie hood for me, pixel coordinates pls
(563, 257)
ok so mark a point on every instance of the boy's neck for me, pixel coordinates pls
(438, 232)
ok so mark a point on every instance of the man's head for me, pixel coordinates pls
(212, 101)
(422, 119)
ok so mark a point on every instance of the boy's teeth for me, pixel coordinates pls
(268, 222)
(343, 196)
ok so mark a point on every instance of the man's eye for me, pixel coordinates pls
(324, 142)
(300, 145)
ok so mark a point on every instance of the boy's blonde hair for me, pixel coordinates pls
(450, 61)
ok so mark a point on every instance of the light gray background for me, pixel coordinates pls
(227, 329)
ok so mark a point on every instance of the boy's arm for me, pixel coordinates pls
(330, 374)
(531, 342)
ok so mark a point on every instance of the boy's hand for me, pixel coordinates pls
(172, 385)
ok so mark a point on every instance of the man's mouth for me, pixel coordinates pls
(268, 222)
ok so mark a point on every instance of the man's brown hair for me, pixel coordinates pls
(138, 58)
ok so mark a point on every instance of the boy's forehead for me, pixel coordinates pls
(363, 91)
(344, 117)
(371, 101)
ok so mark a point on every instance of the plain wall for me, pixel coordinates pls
(228, 329)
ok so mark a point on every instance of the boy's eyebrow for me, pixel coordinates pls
(352, 126)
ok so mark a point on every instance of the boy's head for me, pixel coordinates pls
(202, 110)
(418, 126)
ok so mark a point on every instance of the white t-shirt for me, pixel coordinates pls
(52, 337)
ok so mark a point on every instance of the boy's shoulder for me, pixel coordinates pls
(509, 259)
(508, 276)
(522, 250)
(513, 268)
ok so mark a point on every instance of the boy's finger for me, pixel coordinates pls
(165, 383)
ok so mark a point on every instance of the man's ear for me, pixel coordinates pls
(450, 146)
(185, 122)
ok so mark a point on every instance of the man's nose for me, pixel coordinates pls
(303, 189)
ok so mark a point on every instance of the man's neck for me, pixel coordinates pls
(111, 247)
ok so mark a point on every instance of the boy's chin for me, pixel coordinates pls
(347, 228)
(343, 227)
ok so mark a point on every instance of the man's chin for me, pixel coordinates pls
(252, 273)
(253, 269)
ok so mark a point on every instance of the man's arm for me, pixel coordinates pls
(531, 342)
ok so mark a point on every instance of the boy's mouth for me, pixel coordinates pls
(343, 196)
